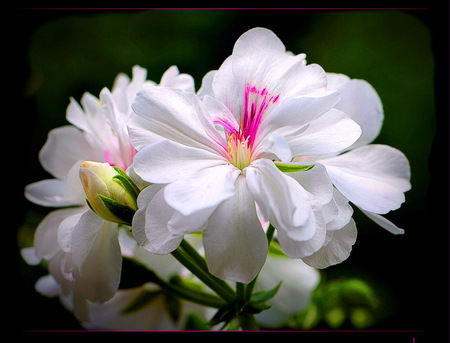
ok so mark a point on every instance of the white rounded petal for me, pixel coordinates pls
(65, 146)
(46, 235)
(167, 161)
(281, 199)
(29, 256)
(150, 222)
(58, 192)
(172, 78)
(337, 212)
(296, 248)
(316, 182)
(384, 223)
(331, 132)
(336, 81)
(206, 86)
(337, 250)
(205, 189)
(259, 58)
(362, 103)
(75, 115)
(373, 177)
(48, 286)
(96, 251)
(235, 243)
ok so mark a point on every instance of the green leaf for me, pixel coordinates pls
(292, 168)
(140, 301)
(262, 296)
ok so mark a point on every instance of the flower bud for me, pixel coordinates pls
(109, 191)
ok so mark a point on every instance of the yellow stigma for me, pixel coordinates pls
(239, 151)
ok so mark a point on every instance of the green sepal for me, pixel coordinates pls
(126, 182)
(276, 251)
(140, 301)
(173, 307)
(293, 168)
(195, 321)
(122, 212)
(223, 314)
(263, 296)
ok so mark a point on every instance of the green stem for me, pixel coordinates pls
(181, 290)
(194, 296)
(249, 289)
(197, 258)
(211, 281)
(247, 321)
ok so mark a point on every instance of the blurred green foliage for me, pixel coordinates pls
(78, 51)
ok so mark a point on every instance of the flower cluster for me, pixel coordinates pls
(249, 180)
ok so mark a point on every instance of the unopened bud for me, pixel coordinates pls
(109, 192)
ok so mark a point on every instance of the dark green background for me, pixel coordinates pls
(62, 54)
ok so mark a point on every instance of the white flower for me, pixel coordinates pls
(298, 281)
(110, 315)
(217, 158)
(84, 250)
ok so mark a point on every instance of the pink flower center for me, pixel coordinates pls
(241, 141)
(117, 160)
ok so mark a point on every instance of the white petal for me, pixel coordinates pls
(206, 86)
(276, 144)
(337, 250)
(259, 58)
(384, 223)
(220, 114)
(172, 78)
(65, 146)
(373, 177)
(58, 192)
(362, 103)
(29, 256)
(316, 182)
(174, 115)
(235, 243)
(167, 161)
(296, 248)
(150, 222)
(95, 249)
(48, 286)
(66, 228)
(205, 189)
(337, 81)
(46, 235)
(331, 132)
(281, 199)
(337, 212)
(300, 110)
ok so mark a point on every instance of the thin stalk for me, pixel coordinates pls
(197, 258)
(183, 291)
(194, 296)
(204, 276)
